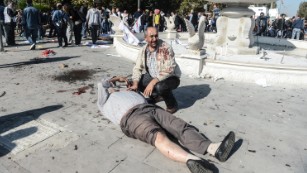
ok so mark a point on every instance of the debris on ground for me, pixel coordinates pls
(3, 94)
(46, 53)
(79, 91)
(61, 66)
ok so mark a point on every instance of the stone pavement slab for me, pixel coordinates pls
(269, 123)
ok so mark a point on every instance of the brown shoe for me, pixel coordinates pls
(158, 99)
(172, 110)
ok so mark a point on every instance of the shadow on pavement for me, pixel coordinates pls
(188, 95)
(236, 147)
(14, 120)
(15, 136)
(38, 61)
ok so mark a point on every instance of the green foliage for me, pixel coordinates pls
(188, 5)
(21, 4)
(42, 7)
(302, 11)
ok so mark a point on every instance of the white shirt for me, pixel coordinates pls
(117, 104)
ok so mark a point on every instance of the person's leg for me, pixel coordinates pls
(139, 124)
(190, 137)
(59, 35)
(64, 37)
(293, 33)
(298, 32)
(77, 33)
(93, 34)
(172, 150)
(144, 81)
(164, 88)
(34, 35)
(187, 134)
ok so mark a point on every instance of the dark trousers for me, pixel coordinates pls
(94, 33)
(9, 34)
(77, 33)
(31, 33)
(52, 31)
(144, 121)
(61, 32)
(162, 88)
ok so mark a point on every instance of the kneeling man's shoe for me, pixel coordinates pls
(199, 166)
(225, 148)
(172, 110)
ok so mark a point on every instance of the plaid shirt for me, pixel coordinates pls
(164, 65)
(152, 63)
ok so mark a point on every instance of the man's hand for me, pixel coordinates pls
(134, 86)
(150, 87)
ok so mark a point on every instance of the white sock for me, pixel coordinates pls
(213, 147)
(192, 157)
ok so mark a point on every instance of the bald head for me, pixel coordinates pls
(151, 37)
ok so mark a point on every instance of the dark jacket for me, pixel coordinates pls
(31, 17)
(1, 12)
(298, 23)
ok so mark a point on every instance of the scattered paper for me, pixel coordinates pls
(262, 82)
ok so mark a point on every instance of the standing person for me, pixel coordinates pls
(77, 20)
(83, 12)
(281, 25)
(143, 19)
(298, 26)
(60, 21)
(52, 30)
(19, 23)
(9, 23)
(149, 21)
(156, 19)
(261, 24)
(31, 23)
(153, 125)
(93, 20)
(137, 14)
(193, 18)
(158, 60)
(70, 25)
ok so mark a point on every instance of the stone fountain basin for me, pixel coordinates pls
(243, 1)
(276, 68)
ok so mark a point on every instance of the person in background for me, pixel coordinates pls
(298, 26)
(261, 24)
(31, 22)
(60, 19)
(83, 12)
(93, 20)
(281, 26)
(19, 23)
(77, 20)
(10, 23)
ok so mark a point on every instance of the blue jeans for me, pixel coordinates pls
(31, 35)
(296, 32)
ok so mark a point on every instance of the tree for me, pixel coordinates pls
(302, 11)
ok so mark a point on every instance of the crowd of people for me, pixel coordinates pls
(72, 23)
(293, 28)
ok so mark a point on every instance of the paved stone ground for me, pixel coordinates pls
(269, 123)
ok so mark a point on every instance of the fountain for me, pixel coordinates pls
(234, 27)
(231, 54)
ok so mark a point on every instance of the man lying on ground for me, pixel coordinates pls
(152, 124)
